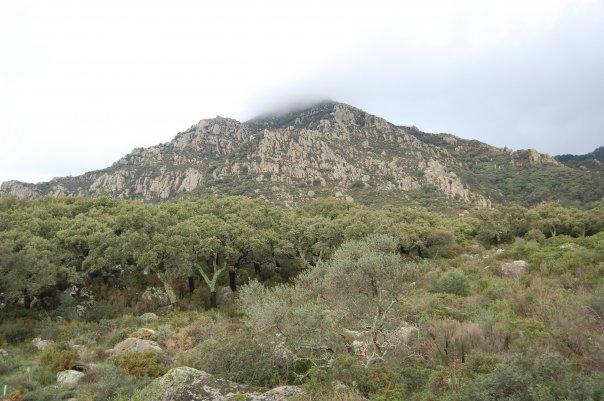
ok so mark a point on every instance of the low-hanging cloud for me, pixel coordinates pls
(536, 89)
(84, 82)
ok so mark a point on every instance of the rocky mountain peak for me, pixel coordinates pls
(323, 149)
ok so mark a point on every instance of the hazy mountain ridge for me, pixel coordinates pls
(593, 161)
(328, 149)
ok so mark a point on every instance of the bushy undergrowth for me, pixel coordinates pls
(350, 303)
(141, 364)
(58, 358)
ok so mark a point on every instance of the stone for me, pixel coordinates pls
(281, 393)
(156, 296)
(514, 269)
(361, 342)
(3, 352)
(188, 384)
(149, 317)
(133, 344)
(40, 344)
(69, 377)
(19, 189)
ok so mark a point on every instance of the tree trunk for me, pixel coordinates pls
(211, 283)
(191, 285)
(213, 300)
(26, 299)
(233, 279)
(170, 292)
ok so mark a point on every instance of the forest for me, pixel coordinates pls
(347, 301)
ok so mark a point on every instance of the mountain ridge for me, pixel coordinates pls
(326, 149)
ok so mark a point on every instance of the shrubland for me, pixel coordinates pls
(348, 301)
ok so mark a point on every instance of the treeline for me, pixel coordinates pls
(51, 245)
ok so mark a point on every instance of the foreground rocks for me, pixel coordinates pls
(69, 377)
(41, 344)
(514, 269)
(149, 317)
(134, 344)
(188, 384)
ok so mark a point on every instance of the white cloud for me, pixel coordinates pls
(83, 82)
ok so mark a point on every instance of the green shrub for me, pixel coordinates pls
(534, 235)
(415, 372)
(319, 380)
(109, 382)
(58, 358)
(141, 364)
(43, 376)
(376, 378)
(479, 363)
(17, 330)
(240, 358)
(530, 377)
(453, 282)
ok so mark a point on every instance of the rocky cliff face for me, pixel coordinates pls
(329, 149)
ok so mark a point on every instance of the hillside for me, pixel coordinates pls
(329, 149)
(593, 161)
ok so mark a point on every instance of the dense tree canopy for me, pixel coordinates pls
(49, 244)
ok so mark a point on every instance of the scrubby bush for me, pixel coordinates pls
(109, 382)
(241, 358)
(534, 235)
(453, 282)
(17, 330)
(320, 315)
(530, 377)
(58, 358)
(141, 364)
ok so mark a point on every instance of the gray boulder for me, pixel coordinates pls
(40, 344)
(134, 344)
(149, 317)
(514, 269)
(69, 377)
(188, 384)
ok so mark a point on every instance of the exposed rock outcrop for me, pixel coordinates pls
(188, 384)
(20, 190)
(323, 150)
(514, 269)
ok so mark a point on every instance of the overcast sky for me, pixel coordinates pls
(84, 82)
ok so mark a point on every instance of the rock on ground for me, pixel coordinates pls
(40, 344)
(188, 384)
(514, 269)
(149, 317)
(69, 377)
(133, 344)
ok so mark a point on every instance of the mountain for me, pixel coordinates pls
(328, 149)
(593, 161)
